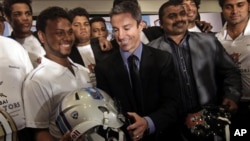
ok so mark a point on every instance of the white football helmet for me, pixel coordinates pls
(84, 111)
(8, 130)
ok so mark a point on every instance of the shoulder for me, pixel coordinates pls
(157, 53)
(203, 36)
(156, 42)
(9, 42)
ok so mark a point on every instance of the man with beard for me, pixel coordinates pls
(202, 64)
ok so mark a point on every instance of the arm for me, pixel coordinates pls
(104, 44)
(43, 135)
(230, 74)
(204, 26)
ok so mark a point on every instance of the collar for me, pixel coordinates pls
(137, 53)
(246, 31)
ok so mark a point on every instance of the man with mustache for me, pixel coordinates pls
(207, 75)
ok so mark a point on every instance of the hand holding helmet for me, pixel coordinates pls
(86, 111)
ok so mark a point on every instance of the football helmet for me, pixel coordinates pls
(84, 111)
(210, 121)
(8, 129)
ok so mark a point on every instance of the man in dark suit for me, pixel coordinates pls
(207, 75)
(153, 109)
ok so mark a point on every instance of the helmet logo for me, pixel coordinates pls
(74, 115)
(95, 93)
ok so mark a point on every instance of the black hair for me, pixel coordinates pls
(51, 13)
(222, 2)
(78, 11)
(97, 19)
(167, 4)
(8, 3)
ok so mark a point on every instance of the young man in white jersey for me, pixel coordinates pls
(14, 66)
(235, 38)
(54, 77)
(19, 16)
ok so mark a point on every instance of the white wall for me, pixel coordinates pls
(103, 6)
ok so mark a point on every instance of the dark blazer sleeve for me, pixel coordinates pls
(166, 112)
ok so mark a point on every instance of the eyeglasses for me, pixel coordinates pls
(2, 19)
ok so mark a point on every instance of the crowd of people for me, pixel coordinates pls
(159, 75)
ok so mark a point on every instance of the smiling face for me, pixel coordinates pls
(126, 31)
(58, 38)
(21, 19)
(191, 9)
(174, 20)
(235, 11)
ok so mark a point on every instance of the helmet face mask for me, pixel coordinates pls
(85, 110)
(8, 129)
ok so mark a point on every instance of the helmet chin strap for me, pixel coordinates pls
(105, 120)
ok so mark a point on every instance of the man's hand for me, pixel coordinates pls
(104, 44)
(204, 26)
(66, 137)
(137, 129)
(230, 105)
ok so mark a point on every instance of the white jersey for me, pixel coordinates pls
(34, 48)
(87, 55)
(14, 66)
(239, 50)
(44, 89)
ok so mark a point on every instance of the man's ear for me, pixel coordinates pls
(41, 36)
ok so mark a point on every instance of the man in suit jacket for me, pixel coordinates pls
(207, 75)
(156, 108)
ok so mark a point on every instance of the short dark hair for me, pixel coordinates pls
(51, 13)
(97, 19)
(167, 4)
(127, 7)
(222, 2)
(119, 1)
(8, 3)
(78, 11)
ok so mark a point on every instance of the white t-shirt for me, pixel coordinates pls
(34, 48)
(44, 89)
(239, 49)
(87, 55)
(14, 66)
(194, 29)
